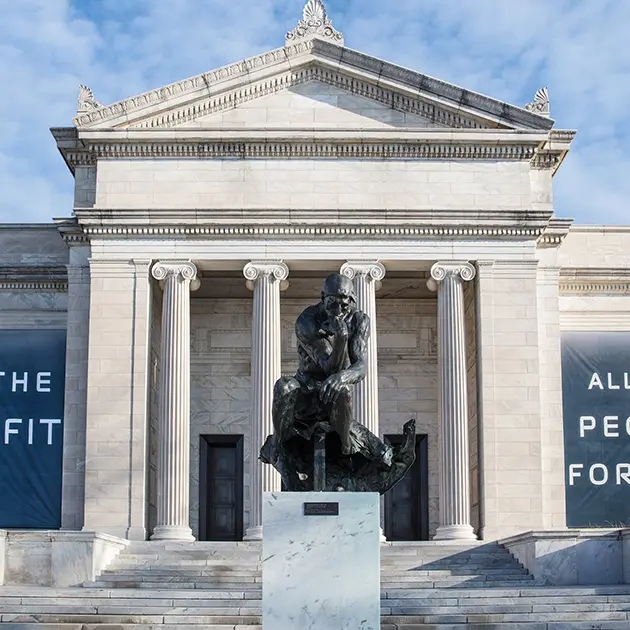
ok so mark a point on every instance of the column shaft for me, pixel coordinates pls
(367, 275)
(454, 520)
(174, 422)
(266, 279)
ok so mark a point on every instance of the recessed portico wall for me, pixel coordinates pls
(220, 364)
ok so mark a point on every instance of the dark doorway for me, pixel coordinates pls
(221, 487)
(407, 503)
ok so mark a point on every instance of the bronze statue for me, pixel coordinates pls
(316, 441)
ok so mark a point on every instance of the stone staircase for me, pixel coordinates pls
(424, 586)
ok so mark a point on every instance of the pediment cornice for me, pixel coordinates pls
(313, 59)
(544, 150)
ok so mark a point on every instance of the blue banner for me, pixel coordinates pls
(32, 383)
(596, 410)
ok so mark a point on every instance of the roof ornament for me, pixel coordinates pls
(315, 23)
(86, 101)
(540, 104)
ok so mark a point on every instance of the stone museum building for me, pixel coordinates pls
(144, 329)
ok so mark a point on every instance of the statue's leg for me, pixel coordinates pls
(341, 418)
(285, 394)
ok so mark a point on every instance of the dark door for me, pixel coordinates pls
(407, 503)
(221, 487)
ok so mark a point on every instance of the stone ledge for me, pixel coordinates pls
(575, 556)
(55, 558)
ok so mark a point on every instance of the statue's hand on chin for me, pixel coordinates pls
(335, 327)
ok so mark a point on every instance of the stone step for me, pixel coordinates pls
(448, 565)
(201, 617)
(431, 576)
(131, 626)
(198, 572)
(156, 576)
(481, 609)
(136, 584)
(442, 553)
(169, 570)
(425, 583)
(254, 607)
(207, 620)
(534, 591)
(386, 625)
(509, 618)
(447, 583)
(613, 592)
(174, 562)
(443, 599)
(453, 571)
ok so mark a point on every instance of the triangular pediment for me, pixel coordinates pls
(313, 104)
(310, 84)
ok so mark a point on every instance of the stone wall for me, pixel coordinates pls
(220, 383)
(313, 184)
(314, 105)
(26, 250)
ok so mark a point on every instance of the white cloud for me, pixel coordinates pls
(504, 49)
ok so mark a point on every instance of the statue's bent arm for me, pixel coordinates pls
(357, 349)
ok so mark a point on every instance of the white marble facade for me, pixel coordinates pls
(308, 158)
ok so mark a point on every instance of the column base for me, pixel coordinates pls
(455, 532)
(254, 533)
(173, 532)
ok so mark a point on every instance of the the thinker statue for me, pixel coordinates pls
(317, 444)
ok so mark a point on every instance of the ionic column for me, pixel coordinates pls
(367, 276)
(448, 279)
(174, 424)
(266, 279)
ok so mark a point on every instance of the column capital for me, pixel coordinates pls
(373, 269)
(188, 271)
(274, 269)
(441, 270)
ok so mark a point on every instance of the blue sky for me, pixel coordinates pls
(503, 48)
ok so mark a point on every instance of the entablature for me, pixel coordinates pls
(594, 281)
(33, 278)
(297, 224)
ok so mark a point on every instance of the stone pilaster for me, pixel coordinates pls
(115, 439)
(266, 279)
(550, 366)
(367, 276)
(75, 400)
(174, 425)
(448, 279)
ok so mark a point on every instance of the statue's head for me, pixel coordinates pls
(338, 295)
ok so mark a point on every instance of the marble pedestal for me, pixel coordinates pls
(321, 572)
